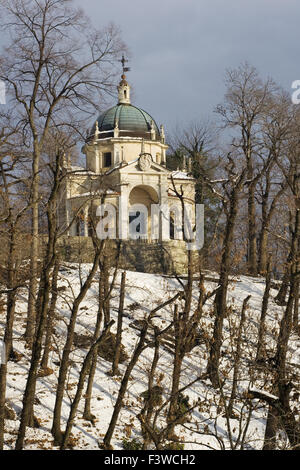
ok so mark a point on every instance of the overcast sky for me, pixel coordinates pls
(180, 49)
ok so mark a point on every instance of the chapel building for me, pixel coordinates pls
(126, 174)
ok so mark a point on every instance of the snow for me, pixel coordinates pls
(181, 175)
(263, 392)
(94, 194)
(208, 427)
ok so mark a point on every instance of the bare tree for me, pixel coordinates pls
(105, 291)
(115, 364)
(276, 131)
(141, 345)
(57, 69)
(280, 412)
(246, 102)
(13, 211)
(42, 302)
(82, 375)
(51, 317)
(232, 187)
(260, 352)
(56, 425)
(237, 358)
(194, 148)
(283, 382)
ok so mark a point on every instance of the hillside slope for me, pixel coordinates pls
(207, 425)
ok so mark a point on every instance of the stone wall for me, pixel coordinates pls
(167, 257)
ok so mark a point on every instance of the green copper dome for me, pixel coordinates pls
(131, 121)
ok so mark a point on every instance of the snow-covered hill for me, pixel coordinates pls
(207, 426)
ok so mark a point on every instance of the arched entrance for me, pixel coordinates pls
(141, 198)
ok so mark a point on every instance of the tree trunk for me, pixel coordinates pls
(33, 283)
(43, 305)
(286, 324)
(147, 411)
(263, 251)
(27, 411)
(237, 359)
(177, 365)
(56, 429)
(51, 314)
(88, 394)
(296, 307)
(28, 398)
(7, 340)
(119, 326)
(282, 293)
(220, 306)
(287, 320)
(260, 353)
(271, 429)
(82, 375)
(119, 403)
(252, 253)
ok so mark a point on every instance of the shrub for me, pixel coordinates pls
(131, 444)
(174, 446)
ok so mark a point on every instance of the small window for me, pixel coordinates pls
(107, 159)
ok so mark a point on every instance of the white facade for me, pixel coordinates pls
(127, 169)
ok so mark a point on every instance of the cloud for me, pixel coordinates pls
(181, 48)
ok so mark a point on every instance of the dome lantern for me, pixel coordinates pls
(124, 91)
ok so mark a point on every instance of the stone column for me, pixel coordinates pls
(177, 208)
(100, 161)
(67, 217)
(123, 213)
(163, 157)
(72, 230)
(97, 159)
(85, 219)
(116, 154)
(164, 215)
